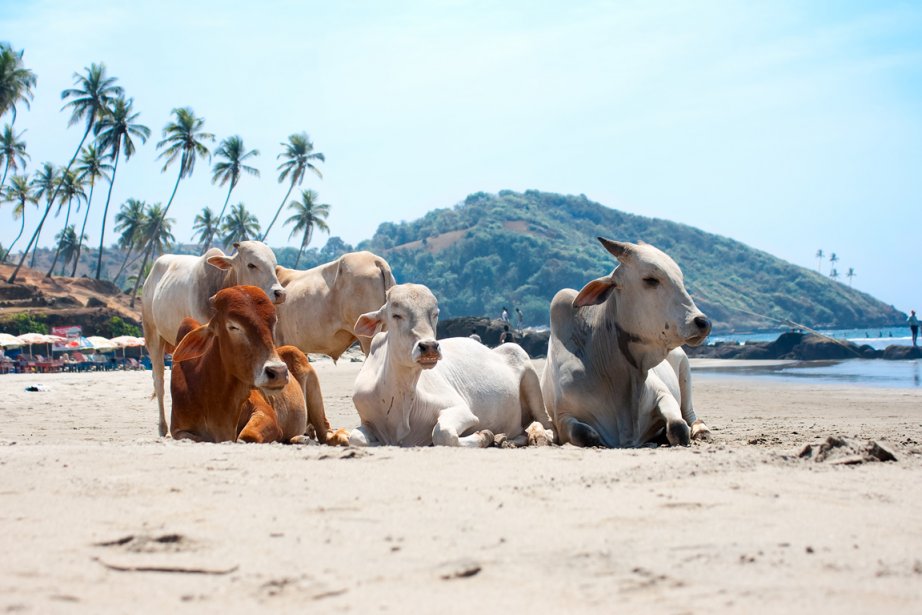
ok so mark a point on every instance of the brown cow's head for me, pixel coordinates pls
(242, 325)
(653, 305)
(410, 315)
(253, 265)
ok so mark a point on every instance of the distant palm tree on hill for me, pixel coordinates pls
(819, 260)
(297, 156)
(88, 102)
(239, 225)
(16, 81)
(71, 188)
(309, 214)
(850, 274)
(92, 166)
(114, 134)
(129, 221)
(155, 232)
(12, 152)
(227, 170)
(833, 259)
(834, 274)
(183, 140)
(44, 184)
(19, 192)
(206, 228)
(67, 242)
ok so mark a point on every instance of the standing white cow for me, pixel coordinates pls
(615, 375)
(324, 302)
(415, 391)
(180, 285)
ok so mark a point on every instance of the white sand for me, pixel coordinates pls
(737, 525)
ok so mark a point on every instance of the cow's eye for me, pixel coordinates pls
(232, 328)
(251, 265)
(398, 317)
(651, 282)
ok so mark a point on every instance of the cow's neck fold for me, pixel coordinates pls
(404, 381)
(639, 354)
(232, 391)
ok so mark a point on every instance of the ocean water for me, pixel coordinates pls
(853, 372)
(877, 338)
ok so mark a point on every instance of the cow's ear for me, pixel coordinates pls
(619, 249)
(221, 261)
(194, 344)
(595, 292)
(368, 324)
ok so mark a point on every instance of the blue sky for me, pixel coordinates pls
(790, 126)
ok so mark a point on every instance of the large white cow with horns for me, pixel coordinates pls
(615, 375)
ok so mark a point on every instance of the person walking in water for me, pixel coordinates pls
(913, 326)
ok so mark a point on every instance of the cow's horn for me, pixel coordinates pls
(618, 249)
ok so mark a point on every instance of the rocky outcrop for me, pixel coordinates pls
(533, 342)
(801, 347)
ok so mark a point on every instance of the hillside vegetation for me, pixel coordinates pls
(517, 250)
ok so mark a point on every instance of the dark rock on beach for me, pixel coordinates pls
(533, 342)
(802, 347)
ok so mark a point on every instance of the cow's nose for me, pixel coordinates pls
(276, 373)
(429, 347)
(702, 323)
(279, 295)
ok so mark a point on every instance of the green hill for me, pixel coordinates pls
(517, 250)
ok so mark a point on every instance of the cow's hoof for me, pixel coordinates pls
(538, 435)
(677, 433)
(340, 437)
(583, 435)
(303, 440)
(700, 431)
(500, 440)
(486, 437)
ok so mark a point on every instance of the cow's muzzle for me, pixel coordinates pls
(273, 377)
(701, 327)
(427, 353)
(278, 295)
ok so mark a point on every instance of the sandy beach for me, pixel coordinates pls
(99, 515)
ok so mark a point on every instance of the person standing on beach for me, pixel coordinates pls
(913, 326)
(504, 315)
(519, 318)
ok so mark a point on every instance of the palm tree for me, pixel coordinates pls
(239, 225)
(12, 151)
(68, 242)
(228, 170)
(92, 166)
(114, 132)
(206, 226)
(20, 192)
(155, 232)
(88, 102)
(44, 184)
(129, 221)
(819, 260)
(71, 188)
(309, 214)
(834, 273)
(182, 139)
(16, 81)
(297, 154)
(833, 259)
(850, 274)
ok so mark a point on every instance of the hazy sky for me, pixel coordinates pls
(790, 126)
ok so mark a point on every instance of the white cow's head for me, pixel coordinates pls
(253, 265)
(652, 304)
(410, 315)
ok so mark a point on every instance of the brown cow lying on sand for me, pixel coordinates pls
(230, 382)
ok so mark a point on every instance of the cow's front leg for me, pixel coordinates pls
(677, 430)
(572, 430)
(363, 436)
(456, 420)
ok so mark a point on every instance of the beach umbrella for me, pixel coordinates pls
(101, 344)
(10, 341)
(127, 341)
(33, 338)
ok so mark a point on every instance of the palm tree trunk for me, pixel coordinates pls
(83, 229)
(298, 260)
(6, 169)
(15, 273)
(223, 209)
(22, 226)
(38, 233)
(278, 211)
(151, 240)
(121, 269)
(57, 252)
(105, 211)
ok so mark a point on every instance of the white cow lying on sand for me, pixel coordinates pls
(415, 391)
(615, 375)
(323, 303)
(180, 285)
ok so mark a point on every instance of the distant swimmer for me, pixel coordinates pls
(913, 326)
